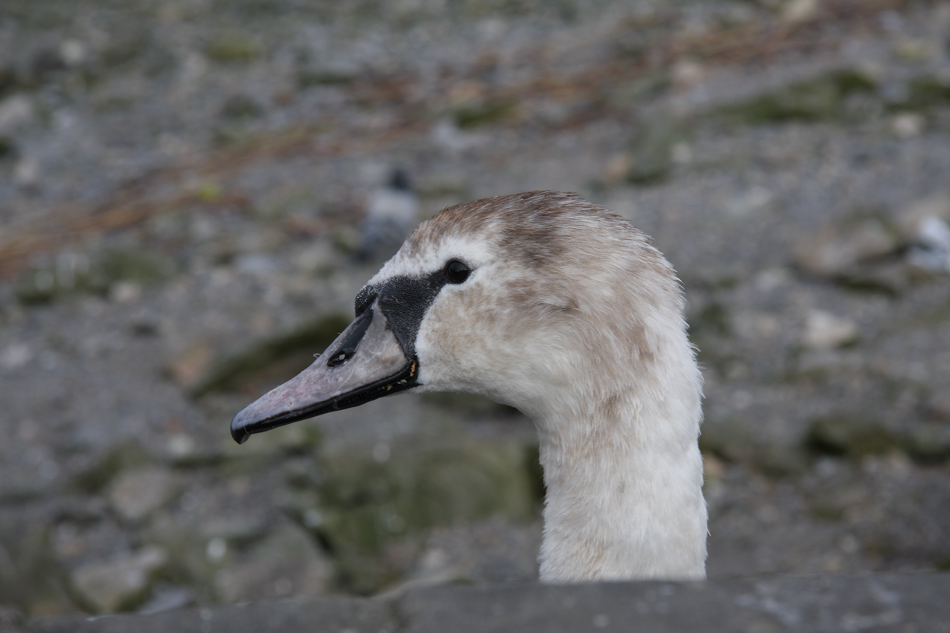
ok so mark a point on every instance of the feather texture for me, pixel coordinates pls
(572, 316)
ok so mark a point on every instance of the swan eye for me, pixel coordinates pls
(456, 272)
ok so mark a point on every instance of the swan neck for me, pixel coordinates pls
(624, 499)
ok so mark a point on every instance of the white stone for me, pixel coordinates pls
(73, 52)
(907, 125)
(800, 10)
(15, 356)
(15, 111)
(824, 330)
(754, 200)
(26, 172)
(914, 214)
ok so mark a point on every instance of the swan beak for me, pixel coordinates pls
(364, 363)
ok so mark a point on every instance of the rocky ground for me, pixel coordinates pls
(187, 188)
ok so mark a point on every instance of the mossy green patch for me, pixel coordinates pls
(850, 435)
(123, 456)
(651, 151)
(241, 107)
(816, 99)
(712, 320)
(473, 115)
(233, 47)
(824, 511)
(366, 506)
(7, 147)
(137, 265)
(732, 440)
(309, 78)
(30, 577)
(923, 92)
(8, 79)
(929, 443)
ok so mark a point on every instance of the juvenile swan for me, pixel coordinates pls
(551, 304)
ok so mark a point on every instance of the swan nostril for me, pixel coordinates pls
(341, 357)
(353, 335)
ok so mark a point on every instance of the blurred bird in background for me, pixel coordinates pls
(391, 213)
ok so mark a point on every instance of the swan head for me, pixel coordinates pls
(539, 300)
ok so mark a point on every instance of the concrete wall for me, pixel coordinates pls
(908, 603)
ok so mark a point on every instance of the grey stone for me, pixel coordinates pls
(824, 330)
(911, 217)
(926, 224)
(286, 563)
(11, 620)
(118, 583)
(168, 599)
(318, 258)
(136, 494)
(837, 250)
(15, 112)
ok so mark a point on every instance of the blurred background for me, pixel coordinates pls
(192, 192)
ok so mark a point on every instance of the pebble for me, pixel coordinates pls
(16, 355)
(926, 226)
(933, 249)
(911, 218)
(824, 330)
(286, 562)
(138, 493)
(15, 111)
(838, 250)
(168, 599)
(800, 10)
(754, 200)
(908, 125)
(73, 52)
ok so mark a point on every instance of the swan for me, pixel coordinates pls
(551, 304)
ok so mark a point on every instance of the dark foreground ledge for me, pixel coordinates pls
(868, 603)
